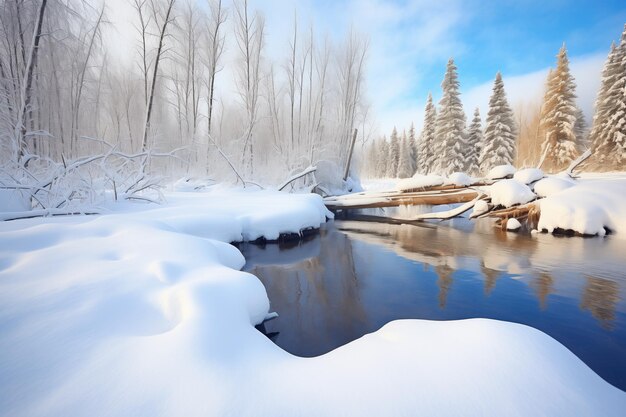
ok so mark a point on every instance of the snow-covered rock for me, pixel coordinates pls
(528, 175)
(460, 178)
(552, 185)
(510, 192)
(587, 208)
(500, 171)
(420, 181)
(513, 224)
(480, 207)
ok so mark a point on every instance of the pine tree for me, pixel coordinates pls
(383, 155)
(404, 163)
(603, 107)
(474, 144)
(413, 148)
(614, 138)
(500, 130)
(450, 130)
(393, 155)
(558, 117)
(425, 154)
(580, 130)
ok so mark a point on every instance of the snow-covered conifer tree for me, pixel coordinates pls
(405, 159)
(602, 107)
(413, 148)
(393, 155)
(450, 130)
(613, 137)
(500, 130)
(558, 117)
(580, 130)
(474, 144)
(426, 155)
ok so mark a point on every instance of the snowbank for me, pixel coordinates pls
(419, 181)
(587, 208)
(147, 314)
(501, 171)
(528, 175)
(552, 185)
(510, 192)
(460, 179)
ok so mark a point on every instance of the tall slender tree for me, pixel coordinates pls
(500, 130)
(612, 138)
(558, 117)
(404, 158)
(450, 130)
(394, 154)
(426, 155)
(474, 144)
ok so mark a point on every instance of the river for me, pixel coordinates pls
(355, 276)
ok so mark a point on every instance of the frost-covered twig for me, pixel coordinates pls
(308, 170)
(582, 158)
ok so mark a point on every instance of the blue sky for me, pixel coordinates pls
(411, 41)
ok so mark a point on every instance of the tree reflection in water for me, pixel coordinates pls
(356, 276)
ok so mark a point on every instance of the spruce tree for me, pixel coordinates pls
(393, 155)
(425, 154)
(413, 148)
(614, 137)
(603, 108)
(580, 130)
(474, 144)
(500, 130)
(404, 162)
(450, 130)
(558, 117)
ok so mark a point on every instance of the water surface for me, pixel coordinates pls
(356, 276)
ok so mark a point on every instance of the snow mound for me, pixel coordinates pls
(510, 192)
(528, 175)
(513, 224)
(461, 179)
(552, 185)
(501, 171)
(419, 181)
(480, 207)
(587, 208)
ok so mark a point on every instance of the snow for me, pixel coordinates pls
(552, 185)
(480, 207)
(14, 201)
(587, 207)
(513, 224)
(420, 181)
(145, 312)
(500, 171)
(528, 175)
(510, 192)
(460, 179)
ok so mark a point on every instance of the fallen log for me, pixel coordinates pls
(401, 200)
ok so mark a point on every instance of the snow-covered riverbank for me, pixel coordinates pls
(144, 312)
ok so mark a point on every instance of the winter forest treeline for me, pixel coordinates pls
(199, 96)
(552, 139)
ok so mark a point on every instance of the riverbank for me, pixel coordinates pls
(144, 311)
